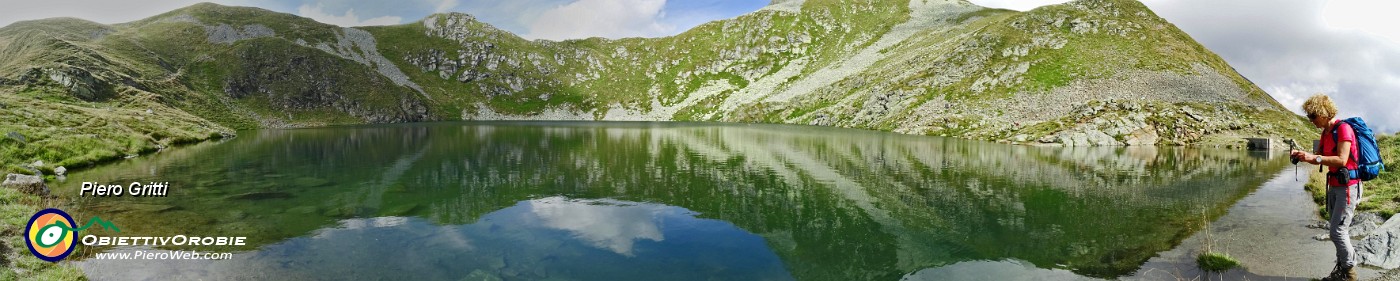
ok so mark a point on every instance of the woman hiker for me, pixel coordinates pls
(1343, 191)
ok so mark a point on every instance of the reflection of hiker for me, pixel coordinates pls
(1342, 191)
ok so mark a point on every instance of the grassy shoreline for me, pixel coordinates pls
(45, 126)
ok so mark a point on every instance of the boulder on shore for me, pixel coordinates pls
(1364, 223)
(1381, 247)
(27, 184)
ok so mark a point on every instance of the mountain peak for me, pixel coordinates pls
(456, 26)
(63, 27)
(58, 21)
(450, 20)
(211, 13)
(456, 15)
(207, 7)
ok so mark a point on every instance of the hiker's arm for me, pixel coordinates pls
(1339, 161)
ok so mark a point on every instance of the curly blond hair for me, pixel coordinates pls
(1320, 105)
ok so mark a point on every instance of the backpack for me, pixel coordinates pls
(1368, 156)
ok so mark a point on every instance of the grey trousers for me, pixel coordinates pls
(1342, 210)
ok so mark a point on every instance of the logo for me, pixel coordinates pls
(50, 234)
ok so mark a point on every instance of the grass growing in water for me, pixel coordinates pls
(1216, 262)
(1209, 259)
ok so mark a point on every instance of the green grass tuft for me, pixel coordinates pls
(1216, 262)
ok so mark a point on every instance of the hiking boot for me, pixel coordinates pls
(1341, 273)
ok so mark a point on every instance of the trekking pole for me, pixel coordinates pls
(1291, 147)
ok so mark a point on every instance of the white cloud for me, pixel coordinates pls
(445, 5)
(602, 18)
(348, 19)
(1374, 17)
(606, 224)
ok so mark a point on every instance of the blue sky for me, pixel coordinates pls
(1349, 49)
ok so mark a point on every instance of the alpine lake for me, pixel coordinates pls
(658, 201)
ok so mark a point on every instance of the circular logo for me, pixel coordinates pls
(50, 234)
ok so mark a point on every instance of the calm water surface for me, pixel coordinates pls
(660, 201)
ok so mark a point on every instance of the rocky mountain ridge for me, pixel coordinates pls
(1088, 72)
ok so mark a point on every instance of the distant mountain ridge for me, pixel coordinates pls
(1088, 72)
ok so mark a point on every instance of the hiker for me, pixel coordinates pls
(1343, 191)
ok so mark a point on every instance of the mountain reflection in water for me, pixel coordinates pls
(669, 201)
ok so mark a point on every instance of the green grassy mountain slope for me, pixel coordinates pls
(1088, 72)
(1083, 73)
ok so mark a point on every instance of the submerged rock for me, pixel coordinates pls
(207, 183)
(304, 210)
(310, 182)
(479, 275)
(401, 211)
(344, 211)
(496, 262)
(141, 207)
(260, 195)
(26, 183)
(234, 215)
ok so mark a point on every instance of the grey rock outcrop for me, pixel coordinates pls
(1382, 246)
(1361, 226)
(359, 46)
(1364, 223)
(83, 84)
(26, 183)
(17, 136)
(226, 34)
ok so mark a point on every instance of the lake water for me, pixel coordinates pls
(660, 201)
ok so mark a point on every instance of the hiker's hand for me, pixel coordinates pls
(1305, 157)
